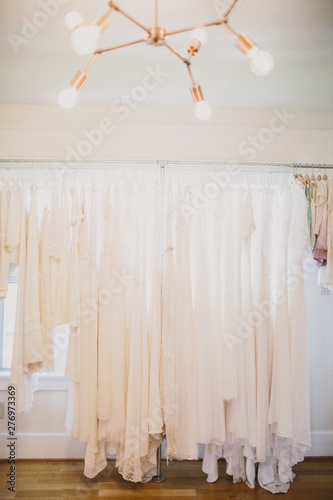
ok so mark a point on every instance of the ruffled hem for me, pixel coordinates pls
(274, 474)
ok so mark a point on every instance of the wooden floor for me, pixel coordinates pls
(64, 479)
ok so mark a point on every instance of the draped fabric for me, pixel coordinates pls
(184, 295)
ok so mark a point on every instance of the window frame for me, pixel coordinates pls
(2, 306)
(46, 381)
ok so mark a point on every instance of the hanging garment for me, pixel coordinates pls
(55, 248)
(241, 423)
(309, 211)
(210, 351)
(289, 403)
(169, 385)
(237, 423)
(263, 300)
(186, 443)
(13, 227)
(45, 294)
(320, 230)
(313, 189)
(249, 320)
(280, 411)
(154, 298)
(129, 418)
(65, 302)
(19, 376)
(326, 273)
(207, 302)
(320, 247)
(111, 344)
(33, 344)
(95, 459)
(72, 369)
(4, 256)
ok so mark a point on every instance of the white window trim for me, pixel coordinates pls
(1, 331)
(46, 382)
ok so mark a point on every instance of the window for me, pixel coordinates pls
(8, 315)
(7, 327)
(7, 322)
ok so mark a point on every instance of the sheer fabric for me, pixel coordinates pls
(185, 299)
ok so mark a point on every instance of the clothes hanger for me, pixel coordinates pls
(307, 177)
(300, 177)
(325, 176)
(313, 177)
(319, 176)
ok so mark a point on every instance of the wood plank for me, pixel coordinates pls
(55, 479)
(148, 493)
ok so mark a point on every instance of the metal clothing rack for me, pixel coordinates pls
(102, 164)
(31, 163)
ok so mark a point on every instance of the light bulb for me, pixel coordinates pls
(261, 63)
(68, 97)
(203, 110)
(72, 19)
(84, 40)
(199, 34)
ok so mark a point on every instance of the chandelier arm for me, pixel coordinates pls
(101, 51)
(219, 21)
(176, 53)
(118, 9)
(104, 17)
(190, 73)
(228, 27)
(91, 62)
(227, 12)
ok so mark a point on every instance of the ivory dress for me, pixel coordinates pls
(4, 256)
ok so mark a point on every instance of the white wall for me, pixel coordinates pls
(172, 133)
(28, 131)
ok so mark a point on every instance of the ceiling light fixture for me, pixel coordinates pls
(85, 39)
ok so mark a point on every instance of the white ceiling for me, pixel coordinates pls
(298, 33)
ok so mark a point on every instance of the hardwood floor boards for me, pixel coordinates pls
(64, 479)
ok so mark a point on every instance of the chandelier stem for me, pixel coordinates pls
(156, 13)
(101, 51)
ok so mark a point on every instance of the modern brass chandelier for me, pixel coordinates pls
(85, 39)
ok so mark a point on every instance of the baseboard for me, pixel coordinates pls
(61, 446)
(322, 444)
(43, 446)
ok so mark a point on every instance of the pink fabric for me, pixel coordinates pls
(320, 248)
